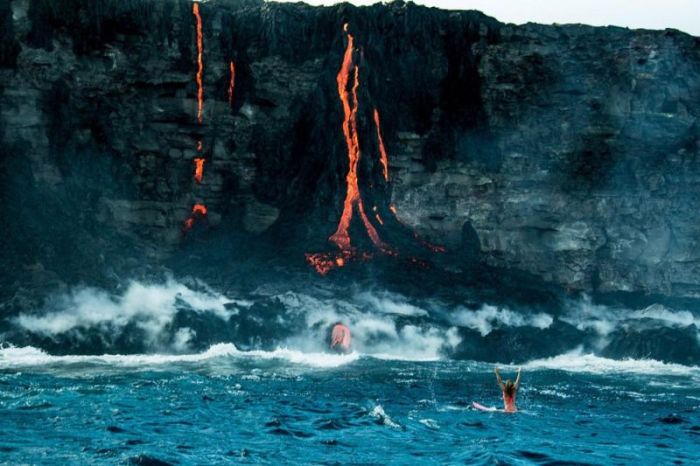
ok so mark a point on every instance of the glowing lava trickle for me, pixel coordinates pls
(200, 63)
(198, 210)
(382, 151)
(324, 262)
(199, 169)
(231, 82)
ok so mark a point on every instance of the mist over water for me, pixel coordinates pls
(171, 317)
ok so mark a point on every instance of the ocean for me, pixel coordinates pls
(175, 372)
(287, 407)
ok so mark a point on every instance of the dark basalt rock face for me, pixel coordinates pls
(567, 153)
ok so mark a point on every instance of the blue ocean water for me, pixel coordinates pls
(224, 406)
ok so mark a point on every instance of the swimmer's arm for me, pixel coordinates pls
(498, 379)
(517, 380)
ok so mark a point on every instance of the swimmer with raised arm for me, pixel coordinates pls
(509, 390)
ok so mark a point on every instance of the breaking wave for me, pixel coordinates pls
(16, 357)
(173, 319)
(580, 361)
(150, 308)
(379, 325)
(586, 315)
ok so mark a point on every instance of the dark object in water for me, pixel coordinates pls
(672, 419)
(145, 460)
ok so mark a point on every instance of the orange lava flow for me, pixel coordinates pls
(324, 262)
(349, 100)
(200, 63)
(199, 169)
(231, 82)
(198, 210)
(382, 151)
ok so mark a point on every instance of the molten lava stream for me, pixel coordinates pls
(348, 81)
(353, 198)
(232, 82)
(200, 63)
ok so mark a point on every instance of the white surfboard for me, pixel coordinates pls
(481, 407)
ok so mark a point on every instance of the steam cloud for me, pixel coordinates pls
(489, 317)
(151, 308)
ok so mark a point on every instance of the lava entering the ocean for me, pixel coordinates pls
(200, 63)
(231, 82)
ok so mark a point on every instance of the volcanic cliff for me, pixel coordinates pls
(152, 131)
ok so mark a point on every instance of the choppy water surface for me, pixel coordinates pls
(288, 407)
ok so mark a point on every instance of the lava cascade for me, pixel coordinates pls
(353, 198)
(198, 210)
(348, 82)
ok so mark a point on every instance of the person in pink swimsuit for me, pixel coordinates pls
(509, 390)
(340, 338)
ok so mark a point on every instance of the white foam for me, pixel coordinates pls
(430, 423)
(578, 361)
(389, 303)
(586, 315)
(375, 332)
(322, 360)
(485, 319)
(151, 307)
(663, 314)
(379, 414)
(16, 357)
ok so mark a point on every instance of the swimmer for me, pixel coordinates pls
(509, 390)
(340, 338)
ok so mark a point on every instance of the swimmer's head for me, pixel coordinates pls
(509, 388)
